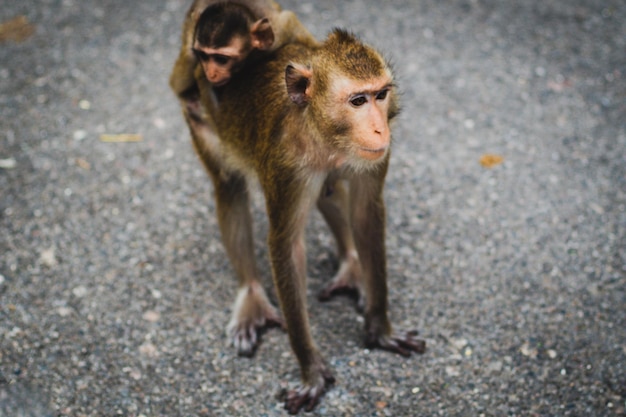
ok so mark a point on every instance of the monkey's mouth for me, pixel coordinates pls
(371, 154)
(220, 83)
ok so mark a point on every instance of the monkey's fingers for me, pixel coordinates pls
(410, 342)
(297, 399)
(308, 396)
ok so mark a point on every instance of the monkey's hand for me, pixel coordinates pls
(307, 395)
(190, 101)
(403, 343)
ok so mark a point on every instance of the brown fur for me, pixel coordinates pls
(288, 122)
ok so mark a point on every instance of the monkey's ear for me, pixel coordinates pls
(262, 34)
(298, 80)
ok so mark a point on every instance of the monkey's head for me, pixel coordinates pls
(348, 89)
(225, 34)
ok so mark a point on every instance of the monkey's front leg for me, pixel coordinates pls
(368, 222)
(287, 211)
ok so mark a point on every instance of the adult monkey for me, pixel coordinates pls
(223, 35)
(305, 122)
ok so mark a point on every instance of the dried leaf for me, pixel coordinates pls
(83, 164)
(381, 404)
(151, 316)
(17, 29)
(121, 138)
(490, 160)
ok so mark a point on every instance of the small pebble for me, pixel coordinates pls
(149, 350)
(79, 291)
(452, 371)
(8, 163)
(459, 344)
(79, 135)
(48, 258)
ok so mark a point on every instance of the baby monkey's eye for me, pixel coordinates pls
(358, 101)
(221, 59)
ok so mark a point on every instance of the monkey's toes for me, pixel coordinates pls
(334, 289)
(246, 337)
(252, 314)
(403, 343)
(245, 340)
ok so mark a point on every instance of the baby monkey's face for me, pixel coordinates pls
(220, 63)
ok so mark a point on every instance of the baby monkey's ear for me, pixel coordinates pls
(261, 34)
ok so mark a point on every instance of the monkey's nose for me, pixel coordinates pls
(379, 128)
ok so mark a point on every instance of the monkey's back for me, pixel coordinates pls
(252, 125)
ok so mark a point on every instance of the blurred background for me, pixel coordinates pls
(506, 203)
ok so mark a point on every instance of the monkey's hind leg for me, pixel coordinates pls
(333, 204)
(252, 310)
(368, 224)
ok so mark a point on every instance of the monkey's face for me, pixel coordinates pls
(219, 64)
(365, 105)
(352, 113)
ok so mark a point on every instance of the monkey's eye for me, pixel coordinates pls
(221, 59)
(382, 95)
(358, 101)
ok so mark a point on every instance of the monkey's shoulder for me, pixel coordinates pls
(295, 51)
(265, 75)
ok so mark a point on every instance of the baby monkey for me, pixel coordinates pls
(223, 36)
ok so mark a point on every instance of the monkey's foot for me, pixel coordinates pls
(346, 281)
(403, 343)
(307, 396)
(251, 313)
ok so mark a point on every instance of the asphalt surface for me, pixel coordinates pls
(114, 287)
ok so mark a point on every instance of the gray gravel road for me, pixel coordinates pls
(115, 289)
